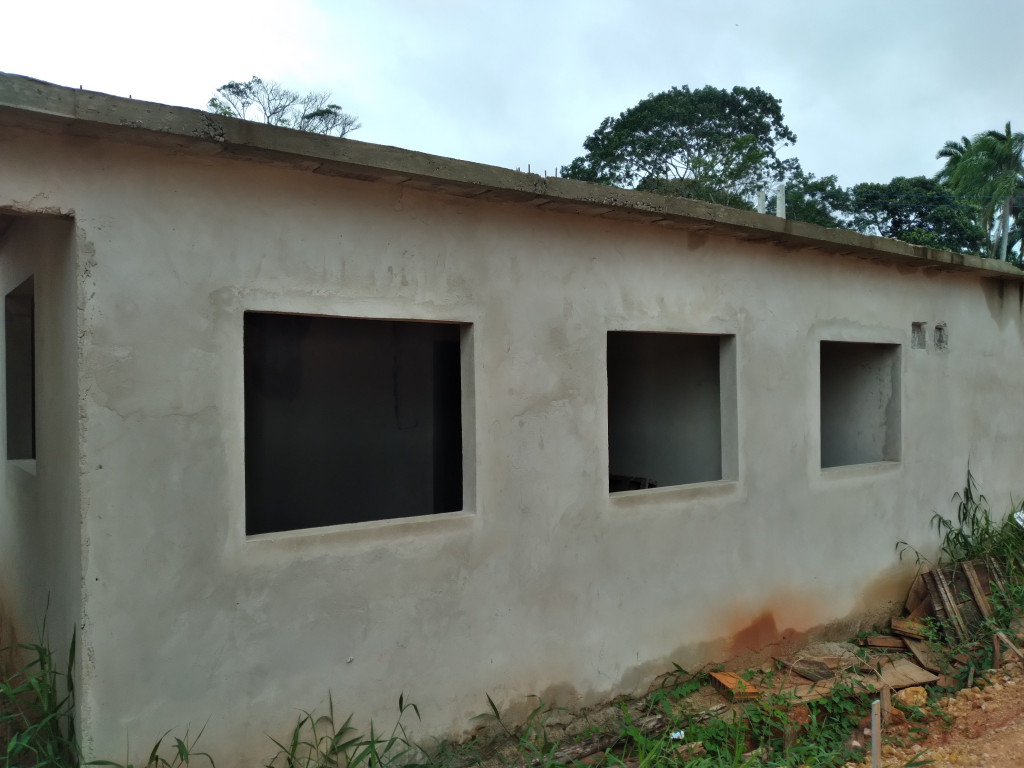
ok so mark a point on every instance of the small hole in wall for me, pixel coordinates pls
(918, 336)
(941, 336)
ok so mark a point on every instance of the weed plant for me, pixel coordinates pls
(37, 712)
(320, 741)
(975, 534)
(182, 752)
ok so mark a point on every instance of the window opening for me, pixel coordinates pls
(860, 403)
(665, 409)
(350, 420)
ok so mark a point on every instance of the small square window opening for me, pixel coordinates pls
(860, 403)
(666, 409)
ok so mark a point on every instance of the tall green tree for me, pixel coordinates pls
(270, 102)
(713, 144)
(815, 200)
(918, 210)
(990, 169)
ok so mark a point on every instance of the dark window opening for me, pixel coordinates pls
(19, 337)
(860, 403)
(350, 420)
(664, 409)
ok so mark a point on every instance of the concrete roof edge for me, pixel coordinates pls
(29, 102)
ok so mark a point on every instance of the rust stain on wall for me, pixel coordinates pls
(757, 634)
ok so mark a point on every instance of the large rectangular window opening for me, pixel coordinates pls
(20, 373)
(350, 420)
(860, 403)
(669, 395)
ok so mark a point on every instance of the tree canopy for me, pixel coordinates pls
(918, 210)
(710, 143)
(270, 102)
(989, 169)
(816, 201)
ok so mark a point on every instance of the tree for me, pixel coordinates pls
(816, 201)
(918, 210)
(718, 145)
(270, 102)
(989, 168)
(694, 189)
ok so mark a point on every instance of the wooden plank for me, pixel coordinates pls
(823, 689)
(960, 589)
(917, 594)
(812, 669)
(735, 686)
(956, 621)
(1010, 646)
(883, 641)
(937, 603)
(921, 611)
(903, 673)
(896, 674)
(995, 574)
(908, 628)
(924, 655)
(976, 590)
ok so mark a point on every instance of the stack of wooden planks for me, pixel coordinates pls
(959, 598)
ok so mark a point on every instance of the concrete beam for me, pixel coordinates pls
(37, 105)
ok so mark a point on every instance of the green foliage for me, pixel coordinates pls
(975, 534)
(319, 741)
(720, 143)
(270, 102)
(532, 740)
(692, 189)
(37, 708)
(816, 201)
(918, 210)
(182, 750)
(990, 168)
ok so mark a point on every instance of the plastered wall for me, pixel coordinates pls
(40, 537)
(544, 583)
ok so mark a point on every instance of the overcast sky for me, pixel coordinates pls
(872, 88)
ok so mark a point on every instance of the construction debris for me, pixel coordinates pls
(735, 687)
(949, 606)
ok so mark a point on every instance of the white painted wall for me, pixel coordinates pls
(545, 584)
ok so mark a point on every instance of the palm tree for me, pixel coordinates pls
(989, 167)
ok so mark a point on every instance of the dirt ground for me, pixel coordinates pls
(979, 727)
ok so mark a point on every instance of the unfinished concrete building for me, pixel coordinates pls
(288, 414)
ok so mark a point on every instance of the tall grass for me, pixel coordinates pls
(37, 711)
(975, 533)
(320, 741)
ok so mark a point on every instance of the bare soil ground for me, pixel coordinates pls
(978, 727)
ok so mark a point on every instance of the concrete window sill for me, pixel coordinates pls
(28, 466)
